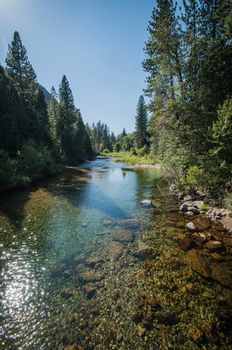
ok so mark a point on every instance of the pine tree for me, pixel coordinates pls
(141, 123)
(18, 66)
(10, 114)
(53, 114)
(67, 119)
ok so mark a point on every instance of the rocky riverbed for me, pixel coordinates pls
(84, 269)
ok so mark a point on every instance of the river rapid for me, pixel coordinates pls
(84, 265)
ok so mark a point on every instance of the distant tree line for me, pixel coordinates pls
(101, 138)
(36, 138)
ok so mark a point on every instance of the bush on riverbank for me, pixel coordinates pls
(131, 159)
(31, 163)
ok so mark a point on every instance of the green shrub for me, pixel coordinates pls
(36, 161)
(8, 177)
(194, 176)
(133, 151)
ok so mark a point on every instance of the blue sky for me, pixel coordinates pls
(98, 44)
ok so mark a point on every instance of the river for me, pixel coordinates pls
(84, 265)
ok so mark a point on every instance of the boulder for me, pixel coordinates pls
(221, 274)
(199, 237)
(184, 207)
(227, 241)
(217, 235)
(184, 241)
(188, 198)
(194, 210)
(191, 227)
(198, 204)
(188, 213)
(202, 223)
(213, 245)
(217, 256)
(198, 263)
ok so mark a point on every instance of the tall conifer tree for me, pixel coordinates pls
(141, 123)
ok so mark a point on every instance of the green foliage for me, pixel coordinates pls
(204, 207)
(117, 147)
(8, 176)
(189, 77)
(36, 139)
(222, 132)
(18, 66)
(194, 176)
(133, 151)
(143, 151)
(131, 159)
(101, 137)
(36, 161)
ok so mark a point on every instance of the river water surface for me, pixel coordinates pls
(85, 266)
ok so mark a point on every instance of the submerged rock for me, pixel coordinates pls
(90, 291)
(227, 241)
(73, 347)
(184, 241)
(217, 256)
(116, 250)
(147, 204)
(123, 236)
(199, 238)
(143, 251)
(221, 274)
(89, 276)
(196, 334)
(130, 223)
(109, 223)
(94, 260)
(198, 263)
(167, 319)
(214, 245)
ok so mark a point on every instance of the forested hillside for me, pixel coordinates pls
(36, 139)
(189, 66)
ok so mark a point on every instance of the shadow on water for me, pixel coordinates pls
(75, 185)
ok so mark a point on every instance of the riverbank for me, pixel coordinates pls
(206, 238)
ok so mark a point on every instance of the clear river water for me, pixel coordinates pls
(84, 265)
